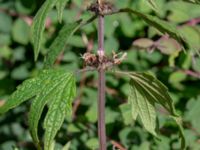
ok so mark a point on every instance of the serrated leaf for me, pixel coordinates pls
(58, 109)
(48, 92)
(25, 91)
(155, 90)
(142, 106)
(53, 87)
(39, 25)
(63, 38)
(59, 43)
(146, 91)
(60, 6)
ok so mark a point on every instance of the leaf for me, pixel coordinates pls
(146, 91)
(48, 92)
(59, 107)
(143, 43)
(21, 31)
(161, 25)
(53, 87)
(63, 38)
(126, 113)
(155, 90)
(193, 111)
(153, 4)
(58, 44)
(39, 25)
(193, 1)
(168, 46)
(142, 106)
(60, 7)
(179, 123)
(25, 91)
(67, 146)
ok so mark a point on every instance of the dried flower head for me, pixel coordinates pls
(103, 62)
(102, 7)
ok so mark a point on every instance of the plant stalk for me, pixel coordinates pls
(101, 87)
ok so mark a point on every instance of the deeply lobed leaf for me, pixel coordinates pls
(56, 88)
(47, 93)
(28, 89)
(59, 107)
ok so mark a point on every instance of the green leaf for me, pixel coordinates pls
(161, 25)
(153, 4)
(179, 123)
(63, 38)
(48, 93)
(142, 107)
(21, 32)
(39, 25)
(60, 7)
(126, 113)
(193, 1)
(6, 24)
(58, 109)
(59, 43)
(67, 146)
(145, 92)
(143, 43)
(25, 91)
(156, 91)
(53, 87)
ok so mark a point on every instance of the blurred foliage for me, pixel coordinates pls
(178, 69)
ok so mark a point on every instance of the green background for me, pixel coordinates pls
(180, 74)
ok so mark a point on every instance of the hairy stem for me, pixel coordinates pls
(101, 88)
